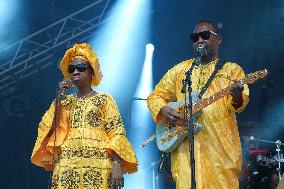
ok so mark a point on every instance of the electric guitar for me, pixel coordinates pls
(168, 137)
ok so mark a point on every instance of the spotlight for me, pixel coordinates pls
(150, 47)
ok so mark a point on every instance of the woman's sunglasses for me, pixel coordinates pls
(80, 67)
(205, 35)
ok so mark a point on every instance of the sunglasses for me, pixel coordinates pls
(205, 35)
(80, 67)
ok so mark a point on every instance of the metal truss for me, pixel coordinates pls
(39, 50)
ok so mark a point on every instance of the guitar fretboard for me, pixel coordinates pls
(251, 78)
(207, 101)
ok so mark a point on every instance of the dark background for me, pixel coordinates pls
(252, 36)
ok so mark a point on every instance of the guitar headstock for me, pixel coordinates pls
(253, 77)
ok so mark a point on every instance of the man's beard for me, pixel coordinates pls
(208, 57)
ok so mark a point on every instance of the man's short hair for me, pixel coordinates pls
(214, 24)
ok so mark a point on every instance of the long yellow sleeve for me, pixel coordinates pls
(237, 73)
(165, 91)
(45, 149)
(118, 141)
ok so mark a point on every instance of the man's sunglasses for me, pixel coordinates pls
(205, 35)
(80, 67)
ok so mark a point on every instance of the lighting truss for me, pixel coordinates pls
(41, 49)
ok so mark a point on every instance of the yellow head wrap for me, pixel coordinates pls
(85, 52)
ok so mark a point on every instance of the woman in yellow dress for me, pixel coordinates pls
(88, 148)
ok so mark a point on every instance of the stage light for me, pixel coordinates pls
(146, 80)
(119, 44)
(150, 47)
(142, 123)
(8, 12)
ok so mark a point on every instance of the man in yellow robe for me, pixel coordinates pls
(217, 146)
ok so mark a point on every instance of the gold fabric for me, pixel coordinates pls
(217, 146)
(85, 52)
(89, 130)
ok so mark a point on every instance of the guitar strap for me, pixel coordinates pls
(218, 66)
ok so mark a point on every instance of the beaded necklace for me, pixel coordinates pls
(85, 96)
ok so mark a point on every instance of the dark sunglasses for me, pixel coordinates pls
(80, 67)
(205, 35)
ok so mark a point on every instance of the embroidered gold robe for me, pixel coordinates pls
(217, 146)
(89, 130)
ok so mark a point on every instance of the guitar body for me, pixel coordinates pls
(168, 144)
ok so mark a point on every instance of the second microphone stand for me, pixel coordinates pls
(188, 121)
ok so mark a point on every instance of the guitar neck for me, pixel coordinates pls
(207, 101)
(249, 79)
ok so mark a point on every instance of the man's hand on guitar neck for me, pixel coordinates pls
(171, 116)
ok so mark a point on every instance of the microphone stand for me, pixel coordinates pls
(60, 94)
(278, 158)
(188, 121)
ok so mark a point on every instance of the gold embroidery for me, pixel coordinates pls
(84, 152)
(55, 180)
(113, 123)
(94, 118)
(99, 102)
(92, 179)
(70, 179)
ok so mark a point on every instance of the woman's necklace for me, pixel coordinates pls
(86, 96)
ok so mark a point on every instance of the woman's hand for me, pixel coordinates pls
(117, 180)
(63, 86)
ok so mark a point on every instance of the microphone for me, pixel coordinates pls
(66, 84)
(200, 50)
